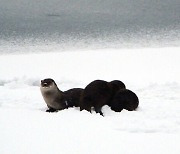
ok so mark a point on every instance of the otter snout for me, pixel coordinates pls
(47, 82)
(44, 84)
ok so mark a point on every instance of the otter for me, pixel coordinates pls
(124, 99)
(96, 94)
(57, 99)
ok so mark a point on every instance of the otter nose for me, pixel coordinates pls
(45, 83)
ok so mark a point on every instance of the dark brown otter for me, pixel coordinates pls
(57, 99)
(96, 94)
(124, 99)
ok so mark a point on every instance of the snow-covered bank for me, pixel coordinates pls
(152, 73)
(130, 65)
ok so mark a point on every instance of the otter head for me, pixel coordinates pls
(48, 84)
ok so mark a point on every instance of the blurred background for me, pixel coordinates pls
(89, 24)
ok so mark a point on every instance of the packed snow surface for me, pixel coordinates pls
(153, 74)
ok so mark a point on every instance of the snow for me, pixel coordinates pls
(153, 74)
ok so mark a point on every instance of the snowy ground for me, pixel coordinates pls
(153, 74)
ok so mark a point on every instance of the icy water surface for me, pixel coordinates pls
(80, 24)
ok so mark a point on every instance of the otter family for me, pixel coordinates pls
(95, 95)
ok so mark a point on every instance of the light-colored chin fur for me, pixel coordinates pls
(47, 88)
